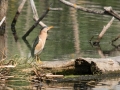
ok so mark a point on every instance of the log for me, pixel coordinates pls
(82, 66)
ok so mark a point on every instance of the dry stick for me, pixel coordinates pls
(106, 11)
(15, 20)
(35, 24)
(105, 29)
(35, 14)
(2, 20)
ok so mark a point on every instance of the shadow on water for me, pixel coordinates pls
(68, 39)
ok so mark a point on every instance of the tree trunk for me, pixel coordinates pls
(3, 10)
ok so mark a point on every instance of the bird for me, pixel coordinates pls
(39, 43)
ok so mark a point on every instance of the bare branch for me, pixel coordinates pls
(106, 11)
(81, 8)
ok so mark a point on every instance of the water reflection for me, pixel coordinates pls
(106, 84)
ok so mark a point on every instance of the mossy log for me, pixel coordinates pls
(82, 66)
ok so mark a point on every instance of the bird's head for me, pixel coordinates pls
(46, 29)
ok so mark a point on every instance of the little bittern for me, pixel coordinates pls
(39, 42)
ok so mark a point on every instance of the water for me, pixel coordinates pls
(71, 33)
(70, 36)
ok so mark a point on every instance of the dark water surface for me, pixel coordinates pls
(70, 36)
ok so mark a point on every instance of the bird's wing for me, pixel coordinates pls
(34, 45)
(39, 47)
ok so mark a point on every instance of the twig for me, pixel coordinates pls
(2, 20)
(106, 11)
(35, 24)
(57, 76)
(15, 20)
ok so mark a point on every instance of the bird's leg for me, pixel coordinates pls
(38, 59)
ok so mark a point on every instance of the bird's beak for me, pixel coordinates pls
(50, 27)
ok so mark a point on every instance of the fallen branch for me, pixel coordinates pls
(15, 20)
(106, 11)
(2, 20)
